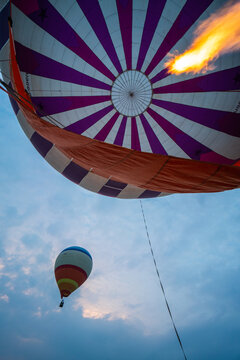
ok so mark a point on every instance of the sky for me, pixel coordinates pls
(119, 312)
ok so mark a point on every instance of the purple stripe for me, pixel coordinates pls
(153, 140)
(74, 172)
(27, 6)
(107, 191)
(54, 24)
(41, 144)
(225, 80)
(149, 194)
(14, 103)
(223, 121)
(161, 75)
(4, 32)
(135, 143)
(103, 133)
(54, 105)
(81, 125)
(191, 147)
(121, 131)
(34, 63)
(154, 13)
(125, 20)
(94, 15)
(116, 184)
(189, 14)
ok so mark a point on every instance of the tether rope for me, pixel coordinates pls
(160, 282)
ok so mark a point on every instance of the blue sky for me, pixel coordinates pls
(119, 313)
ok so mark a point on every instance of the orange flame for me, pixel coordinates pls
(217, 35)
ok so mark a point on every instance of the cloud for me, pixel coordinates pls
(32, 292)
(1, 264)
(4, 297)
(30, 340)
(9, 285)
(26, 270)
(38, 313)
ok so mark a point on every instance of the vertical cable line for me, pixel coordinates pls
(160, 282)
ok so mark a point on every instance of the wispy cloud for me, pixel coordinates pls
(38, 313)
(26, 270)
(4, 297)
(1, 264)
(30, 340)
(32, 292)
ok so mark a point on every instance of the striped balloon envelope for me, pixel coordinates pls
(72, 268)
(90, 88)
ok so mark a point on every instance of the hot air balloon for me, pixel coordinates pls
(72, 268)
(90, 88)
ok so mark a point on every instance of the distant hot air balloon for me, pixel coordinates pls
(91, 90)
(72, 268)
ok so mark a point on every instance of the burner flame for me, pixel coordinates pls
(218, 35)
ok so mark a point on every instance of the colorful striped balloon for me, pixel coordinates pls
(72, 268)
(102, 107)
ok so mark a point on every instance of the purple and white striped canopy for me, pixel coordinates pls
(96, 68)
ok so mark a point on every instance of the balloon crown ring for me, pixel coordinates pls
(131, 93)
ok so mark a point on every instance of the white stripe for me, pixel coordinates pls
(76, 258)
(166, 141)
(93, 182)
(223, 101)
(144, 143)
(57, 159)
(28, 130)
(71, 116)
(34, 37)
(4, 65)
(45, 87)
(113, 132)
(130, 192)
(127, 134)
(110, 13)
(95, 128)
(221, 143)
(138, 20)
(73, 14)
(169, 15)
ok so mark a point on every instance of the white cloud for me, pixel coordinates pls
(4, 297)
(1, 264)
(10, 285)
(30, 340)
(32, 292)
(38, 313)
(26, 270)
(8, 274)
